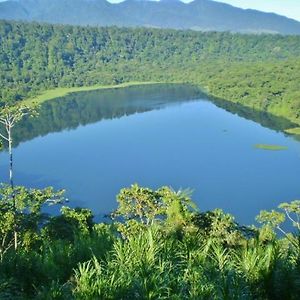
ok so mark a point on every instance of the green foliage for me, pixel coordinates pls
(148, 205)
(220, 226)
(258, 71)
(70, 257)
(292, 211)
(138, 202)
(140, 207)
(27, 215)
(274, 219)
(69, 223)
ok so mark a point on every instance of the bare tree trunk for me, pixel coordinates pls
(11, 181)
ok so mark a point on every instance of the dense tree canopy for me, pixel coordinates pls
(260, 71)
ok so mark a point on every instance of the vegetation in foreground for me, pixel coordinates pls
(258, 71)
(157, 246)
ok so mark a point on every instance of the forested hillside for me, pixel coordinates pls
(260, 71)
(203, 15)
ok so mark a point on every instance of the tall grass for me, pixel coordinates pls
(151, 266)
(206, 256)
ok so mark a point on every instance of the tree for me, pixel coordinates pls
(141, 207)
(274, 219)
(25, 216)
(9, 117)
(292, 211)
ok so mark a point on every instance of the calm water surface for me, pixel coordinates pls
(93, 144)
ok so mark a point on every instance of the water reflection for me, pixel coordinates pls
(90, 107)
(84, 108)
(173, 135)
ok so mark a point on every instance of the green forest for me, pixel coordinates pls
(258, 71)
(157, 244)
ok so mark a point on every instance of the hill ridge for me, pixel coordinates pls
(204, 15)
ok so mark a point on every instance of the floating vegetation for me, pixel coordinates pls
(270, 147)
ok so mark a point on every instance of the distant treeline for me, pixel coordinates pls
(260, 71)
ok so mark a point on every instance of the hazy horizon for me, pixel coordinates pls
(288, 8)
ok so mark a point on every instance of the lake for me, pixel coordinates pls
(94, 143)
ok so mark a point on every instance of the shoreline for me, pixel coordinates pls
(52, 94)
(55, 93)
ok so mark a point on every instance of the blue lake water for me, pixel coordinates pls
(93, 144)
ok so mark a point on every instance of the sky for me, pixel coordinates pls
(289, 8)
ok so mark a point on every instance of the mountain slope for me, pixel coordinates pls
(259, 71)
(199, 15)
